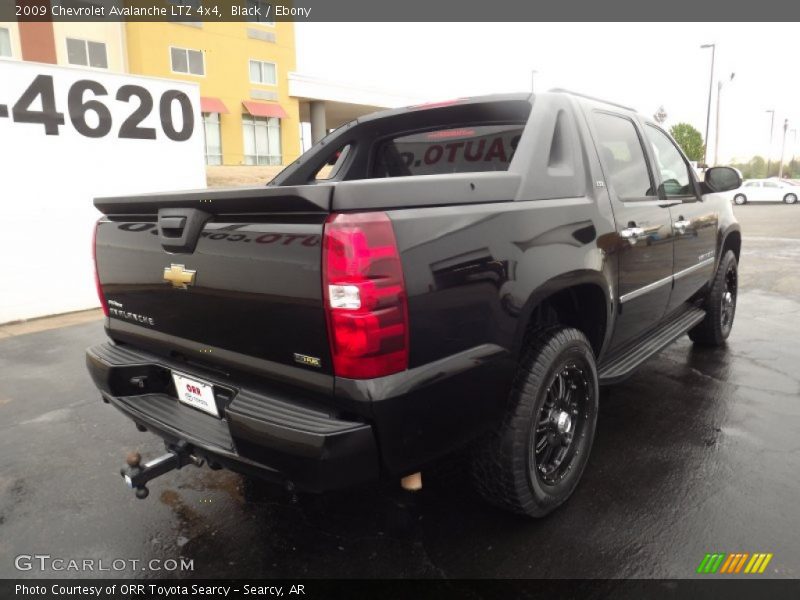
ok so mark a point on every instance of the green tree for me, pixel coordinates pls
(689, 139)
(757, 168)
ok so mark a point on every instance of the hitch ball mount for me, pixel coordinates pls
(136, 475)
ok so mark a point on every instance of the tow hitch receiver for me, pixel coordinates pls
(136, 475)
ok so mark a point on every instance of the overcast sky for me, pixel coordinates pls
(641, 65)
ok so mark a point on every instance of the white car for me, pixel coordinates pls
(767, 190)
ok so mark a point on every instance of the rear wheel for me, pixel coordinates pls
(740, 199)
(720, 305)
(790, 198)
(533, 460)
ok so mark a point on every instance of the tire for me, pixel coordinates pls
(740, 199)
(790, 198)
(720, 305)
(516, 467)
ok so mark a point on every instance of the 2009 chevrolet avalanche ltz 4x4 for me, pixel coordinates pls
(438, 277)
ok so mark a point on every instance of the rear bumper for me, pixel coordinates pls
(265, 433)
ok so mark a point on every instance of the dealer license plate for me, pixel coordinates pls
(196, 393)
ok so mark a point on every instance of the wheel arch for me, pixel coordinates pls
(579, 299)
(731, 241)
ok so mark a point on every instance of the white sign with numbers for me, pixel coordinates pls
(67, 136)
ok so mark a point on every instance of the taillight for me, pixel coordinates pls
(365, 296)
(97, 286)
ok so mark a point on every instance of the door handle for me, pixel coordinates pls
(681, 224)
(632, 234)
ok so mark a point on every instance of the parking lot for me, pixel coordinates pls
(698, 452)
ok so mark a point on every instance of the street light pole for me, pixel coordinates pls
(710, 89)
(769, 150)
(716, 129)
(783, 147)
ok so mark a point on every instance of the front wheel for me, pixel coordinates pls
(720, 305)
(790, 198)
(740, 199)
(532, 461)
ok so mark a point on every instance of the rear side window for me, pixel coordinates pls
(622, 156)
(465, 149)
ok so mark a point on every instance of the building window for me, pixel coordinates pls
(263, 72)
(5, 42)
(259, 11)
(86, 53)
(213, 138)
(187, 61)
(262, 140)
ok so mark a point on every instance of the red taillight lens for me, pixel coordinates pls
(97, 285)
(365, 296)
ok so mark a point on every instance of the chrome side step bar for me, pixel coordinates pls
(622, 364)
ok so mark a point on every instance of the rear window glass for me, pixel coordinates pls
(454, 150)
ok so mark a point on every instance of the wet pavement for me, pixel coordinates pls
(698, 452)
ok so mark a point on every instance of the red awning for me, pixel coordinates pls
(262, 109)
(213, 105)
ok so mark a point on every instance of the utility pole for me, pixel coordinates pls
(769, 150)
(783, 147)
(710, 89)
(720, 83)
(533, 78)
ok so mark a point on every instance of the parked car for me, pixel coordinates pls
(767, 190)
(466, 276)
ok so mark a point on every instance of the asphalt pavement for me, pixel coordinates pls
(698, 452)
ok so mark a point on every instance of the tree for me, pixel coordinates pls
(689, 139)
(660, 115)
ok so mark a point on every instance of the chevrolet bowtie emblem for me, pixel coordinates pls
(179, 276)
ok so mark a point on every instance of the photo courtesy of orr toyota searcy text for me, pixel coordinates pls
(158, 591)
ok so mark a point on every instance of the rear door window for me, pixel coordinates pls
(466, 149)
(623, 157)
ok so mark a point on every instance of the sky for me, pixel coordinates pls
(637, 64)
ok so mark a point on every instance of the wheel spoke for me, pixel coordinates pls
(550, 399)
(559, 383)
(548, 453)
(568, 395)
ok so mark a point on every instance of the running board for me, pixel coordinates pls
(622, 364)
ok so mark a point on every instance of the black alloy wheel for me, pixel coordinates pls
(560, 424)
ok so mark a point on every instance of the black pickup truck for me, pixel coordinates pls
(459, 275)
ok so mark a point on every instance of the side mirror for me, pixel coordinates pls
(723, 179)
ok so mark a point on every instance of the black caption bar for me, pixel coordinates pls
(313, 589)
(406, 11)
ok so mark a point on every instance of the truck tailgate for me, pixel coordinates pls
(227, 278)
